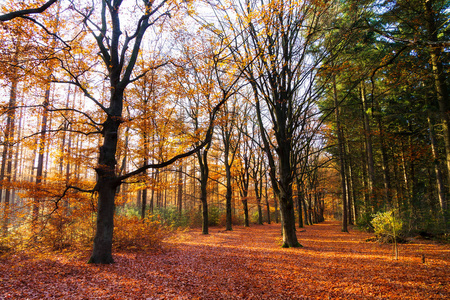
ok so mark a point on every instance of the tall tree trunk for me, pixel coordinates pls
(244, 179)
(229, 193)
(180, 188)
(348, 182)
(341, 158)
(439, 78)
(7, 148)
(351, 184)
(204, 174)
(40, 154)
(266, 195)
(368, 139)
(18, 158)
(258, 193)
(300, 196)
(437, 169)
(144, 201)
(305, 208)
(384, 161)
(107, 185)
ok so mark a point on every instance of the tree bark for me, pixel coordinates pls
(437, 169)
(107, 186)
(204, 174)
(244, 182)
(229, 192)
(299, 203)
(266, 196)
(40, 155)
(7, 148)
(180, 189)
(368, 139)
(258, 193)
(341, 158)
(439, 78)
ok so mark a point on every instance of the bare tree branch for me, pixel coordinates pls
(24, 12)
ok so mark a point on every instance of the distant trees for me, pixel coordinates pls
(389, 90)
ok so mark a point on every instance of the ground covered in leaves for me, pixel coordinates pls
(247, 263)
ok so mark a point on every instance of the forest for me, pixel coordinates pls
(139, 125)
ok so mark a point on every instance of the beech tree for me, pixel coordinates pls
(277, 38)
(118, 45)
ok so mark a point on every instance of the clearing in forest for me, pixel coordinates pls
(246, 263)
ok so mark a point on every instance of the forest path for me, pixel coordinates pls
(246, 263)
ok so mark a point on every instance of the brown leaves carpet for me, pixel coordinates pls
(247, 263)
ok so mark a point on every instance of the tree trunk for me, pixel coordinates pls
(439, 78)
(258, 194)
(204, 173)
(244, 182)
(299, 203)
(266, 196)
(143, 202)
(437, 169)
(369, 150)
(7, 149)
(348, 182)
(384, 161)
(40, 166)
(285, 196)
(260, 217)
(180, 188)
(229, 194)
(305, 209)
(102, 251)
(351, 185)
(341, 158)
(107, 186)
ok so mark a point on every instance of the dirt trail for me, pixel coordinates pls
(247, 263)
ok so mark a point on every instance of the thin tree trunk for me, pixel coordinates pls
(341, 158)
(439, 78)
(258, 194)
(266, 195)
(204, 174)
(7, 148)
(348, 182)
(437, 169)
(384, 162)
(40, 153)
(300, 196)
(180, 188)
(229, 192)
(305, 208)
(368, 136)
(351, 184)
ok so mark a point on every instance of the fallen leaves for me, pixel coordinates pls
(246, 263)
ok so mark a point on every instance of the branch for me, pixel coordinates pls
(205, 142)
(24, 12)
(69, 187)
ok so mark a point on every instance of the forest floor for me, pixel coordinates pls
(246, 263)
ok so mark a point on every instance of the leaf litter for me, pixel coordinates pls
(246, 263)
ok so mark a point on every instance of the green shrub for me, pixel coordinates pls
(213, 216)
(170, 216)
(387, 226)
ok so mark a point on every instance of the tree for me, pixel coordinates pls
(119, 55)
(277, 38)
(231, 136)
